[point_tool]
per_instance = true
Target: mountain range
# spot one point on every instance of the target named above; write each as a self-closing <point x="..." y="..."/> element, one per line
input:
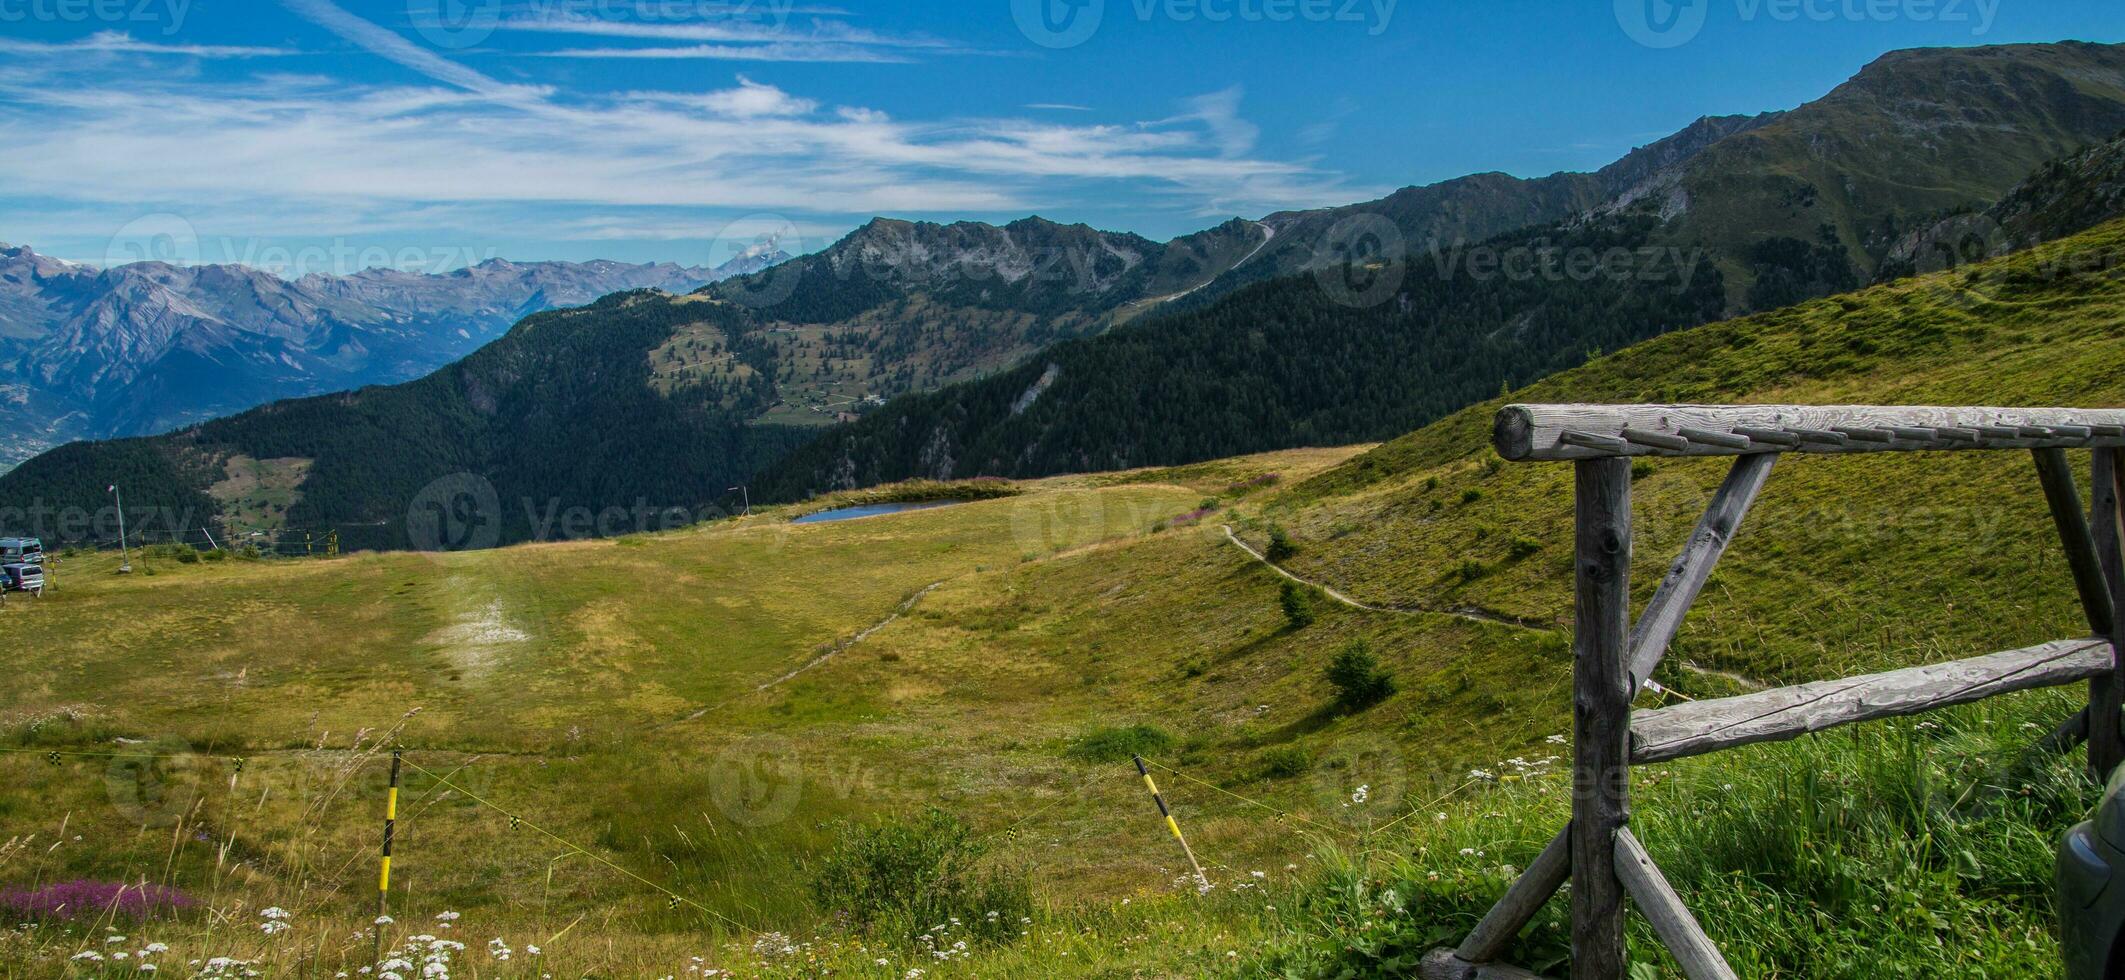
<point x="1733" y="216"/>
<point x="911" y="349"/>
<point x="147" y="347"/>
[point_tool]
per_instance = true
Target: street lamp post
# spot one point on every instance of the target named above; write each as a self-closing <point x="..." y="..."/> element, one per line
<point x="746" y="495"/>
<point x="125" y="558"/>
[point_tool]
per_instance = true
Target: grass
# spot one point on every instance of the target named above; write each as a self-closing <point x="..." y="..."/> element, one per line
<point x="696" y="713"/>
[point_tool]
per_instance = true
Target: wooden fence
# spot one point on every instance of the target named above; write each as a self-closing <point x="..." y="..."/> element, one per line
<point x="1613" y="657"/>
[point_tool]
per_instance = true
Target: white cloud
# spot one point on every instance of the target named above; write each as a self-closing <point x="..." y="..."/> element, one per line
<point x="118" y="42"/>
<point x="751" y="100"/>
<point x="767" y="30"/>
<point x="1220" y="112"/>
<point x="781" y="52"/>
<point x="290" y="153"/>
<point x="392" y="47"/>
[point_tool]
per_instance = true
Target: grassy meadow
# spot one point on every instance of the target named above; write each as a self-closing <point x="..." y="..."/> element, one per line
<point x="685" y="725"/>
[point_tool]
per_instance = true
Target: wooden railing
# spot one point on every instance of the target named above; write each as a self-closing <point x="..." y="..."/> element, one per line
<point x="1614" y="657"/>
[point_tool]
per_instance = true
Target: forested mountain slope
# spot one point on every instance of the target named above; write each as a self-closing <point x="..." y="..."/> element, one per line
<point x="1359" y="352"/>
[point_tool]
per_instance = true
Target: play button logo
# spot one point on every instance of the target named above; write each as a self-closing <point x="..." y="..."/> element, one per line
<point x="1058" y="23"/>
<point x="1662" y="24"/>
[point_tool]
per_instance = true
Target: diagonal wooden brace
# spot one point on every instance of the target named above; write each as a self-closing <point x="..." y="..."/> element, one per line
<point x="1686" y="578"/>
<point x="1517" y="908"/>
<point x="1694" y="951"/>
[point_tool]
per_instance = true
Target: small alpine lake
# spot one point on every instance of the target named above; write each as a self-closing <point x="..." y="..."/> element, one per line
<point x="871" y="510"/>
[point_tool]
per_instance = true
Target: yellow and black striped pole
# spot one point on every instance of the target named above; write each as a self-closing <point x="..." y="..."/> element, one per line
<point x="383" y="875"/>
<point x="1202" y="880"/>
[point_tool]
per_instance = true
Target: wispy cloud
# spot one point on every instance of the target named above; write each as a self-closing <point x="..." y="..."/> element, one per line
<point x="776" y="52"/>
<point x="292" y="152"/>
<point x="736" y="30"/>
<point x="1220" y="113"/>
<point x="119" y="42"/>
<point x="392" y="47"/>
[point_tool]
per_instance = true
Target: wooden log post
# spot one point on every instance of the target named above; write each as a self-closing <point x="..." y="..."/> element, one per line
<point x="1601" y="715"/>
<point x="2106" y="691"/>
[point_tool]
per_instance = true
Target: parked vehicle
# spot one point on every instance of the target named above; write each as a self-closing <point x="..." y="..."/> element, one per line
<point x="20" y="577"/>
<point x="26" y="551"/>
<point x="2091" y="892"/>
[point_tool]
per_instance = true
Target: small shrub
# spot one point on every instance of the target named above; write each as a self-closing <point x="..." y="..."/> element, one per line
<point x="1118" y="744"/>
<point x="1358" y="679"/>
<point x="1297" y="601"/>
<point x="906" y="874"/>
<point x="186" y="556"/>
<point x="1640" y="469"/>
<point x="1285" y="761"/>
<point x="1470" y="570"/>
<point x="1522" y="548"/>
<point x="1471" y="495"/>
<point x="1280" y="547"/>
<point x="216" y="554"/>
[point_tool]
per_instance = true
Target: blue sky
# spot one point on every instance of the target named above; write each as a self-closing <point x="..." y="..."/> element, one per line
<point x="327" y="135"/>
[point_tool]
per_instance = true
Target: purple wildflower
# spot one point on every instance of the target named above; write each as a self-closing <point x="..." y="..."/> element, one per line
<point x="79" y="898"/>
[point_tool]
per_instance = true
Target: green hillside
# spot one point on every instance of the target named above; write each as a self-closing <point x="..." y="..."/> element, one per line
<point x="699" y="711"/>
<point x="1915" y="134"/>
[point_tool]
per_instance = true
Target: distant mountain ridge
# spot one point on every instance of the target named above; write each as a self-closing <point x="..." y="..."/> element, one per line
<point x="1479" y="207"/>
<point x="950" y="350"/>
<point x="149" y="346"/>
<point x="1775" y="209"/>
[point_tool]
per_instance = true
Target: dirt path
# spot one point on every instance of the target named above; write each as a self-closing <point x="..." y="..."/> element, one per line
<point x="839" y="645"/>
<point x="1476" y="615"/>
<point x="1467" y="612"/>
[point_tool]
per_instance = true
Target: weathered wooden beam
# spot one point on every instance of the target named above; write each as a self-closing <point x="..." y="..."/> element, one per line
<point x="1671" y="920"/>
<point x="2056" y="474"/>
<point x="1442" y="964"/>
<point x="1571" y="432"/>
<point x="1487" y="941"/>
<point x="1601" y="715"/>
<point x="2106" y="691"/>
<point x="1699" y="727"/>
<point x="1686" y="578"/>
